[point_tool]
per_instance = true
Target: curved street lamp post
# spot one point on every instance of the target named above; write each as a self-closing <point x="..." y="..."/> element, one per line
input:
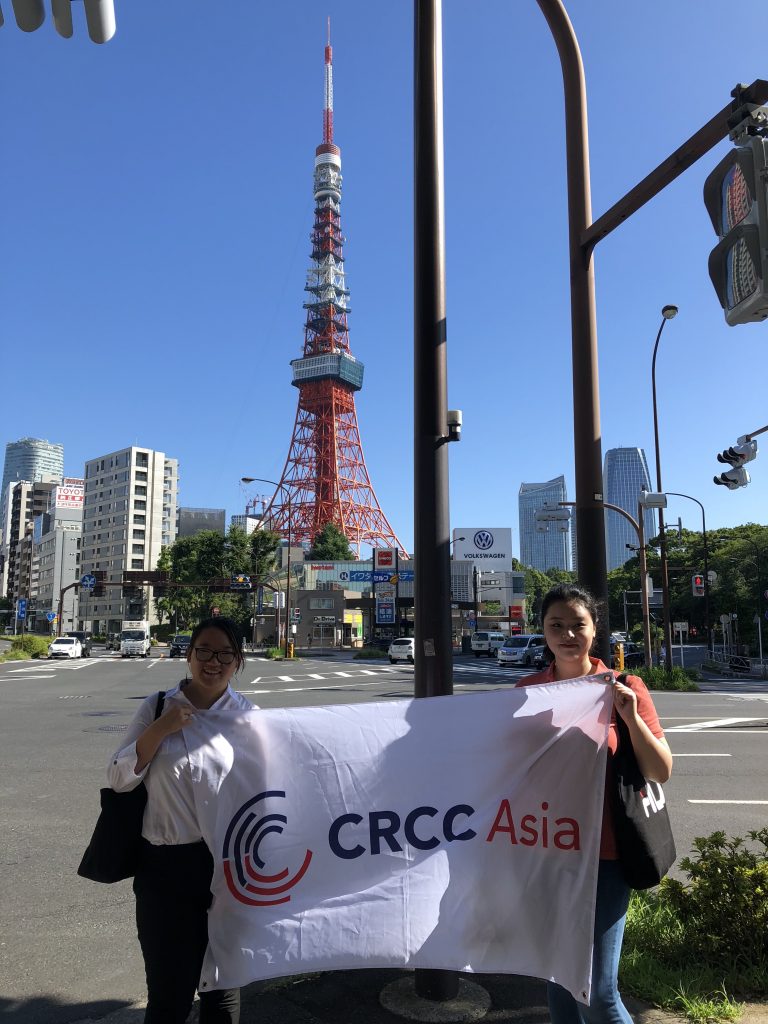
<point x="280" y="487"/>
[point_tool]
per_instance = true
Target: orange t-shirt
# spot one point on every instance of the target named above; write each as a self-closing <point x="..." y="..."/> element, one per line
<point x="647" y="712"/>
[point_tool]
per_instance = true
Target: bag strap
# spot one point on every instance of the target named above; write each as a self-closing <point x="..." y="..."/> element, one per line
<point x="160" y="703"/>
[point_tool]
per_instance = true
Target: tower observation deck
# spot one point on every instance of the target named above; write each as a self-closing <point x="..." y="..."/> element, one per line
<point x="325" y="478"/>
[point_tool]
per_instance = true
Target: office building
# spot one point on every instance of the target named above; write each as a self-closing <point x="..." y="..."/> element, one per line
<point x="246" y="522"/>
<point x="625" y="475"/>
<point x="57" y="537"/>
<point x="541" y="550"/>
<point x="30" y="458"/>
<point x="129" y="516"/>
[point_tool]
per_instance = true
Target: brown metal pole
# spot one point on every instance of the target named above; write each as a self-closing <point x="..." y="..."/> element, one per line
<point x="587" y="439"/>
<point x="432" y="578"/>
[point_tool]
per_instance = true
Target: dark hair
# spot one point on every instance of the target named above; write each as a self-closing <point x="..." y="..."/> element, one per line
<point x="571" y="594"/>
<point x="228" y="628"/>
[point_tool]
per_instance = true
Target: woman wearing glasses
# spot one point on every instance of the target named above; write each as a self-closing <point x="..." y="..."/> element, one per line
<point x="172" y="884"/>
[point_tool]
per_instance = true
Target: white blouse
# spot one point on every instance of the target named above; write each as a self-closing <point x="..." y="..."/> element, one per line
<point x="169" y="817"/>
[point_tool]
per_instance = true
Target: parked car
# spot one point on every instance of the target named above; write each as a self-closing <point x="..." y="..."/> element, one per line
<point x="486" y="642"/>
<point x="180" y="646"/>
<point x="85" y="641"/>
<point x="402" y="649"/>
<point x="520" y="649"/>
<point x="65" y="647"/>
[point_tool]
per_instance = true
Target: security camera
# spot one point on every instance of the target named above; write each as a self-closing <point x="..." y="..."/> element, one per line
<point x="454" y="424"/>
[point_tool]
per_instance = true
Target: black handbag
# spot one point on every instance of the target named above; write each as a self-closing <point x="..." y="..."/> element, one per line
<point x="113" y="852"/>
<point x="641" y="822"/>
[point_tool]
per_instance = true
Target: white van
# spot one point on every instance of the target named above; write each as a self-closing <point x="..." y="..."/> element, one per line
<point x="486" y="642"/>
<point x="521" y="649"/>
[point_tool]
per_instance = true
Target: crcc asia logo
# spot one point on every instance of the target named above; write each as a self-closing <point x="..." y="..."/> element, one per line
<point x="356" y="835"/>
<point x="243" y="863"/>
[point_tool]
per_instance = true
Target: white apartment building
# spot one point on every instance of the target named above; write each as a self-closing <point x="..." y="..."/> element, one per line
<point x="129" y="515"/>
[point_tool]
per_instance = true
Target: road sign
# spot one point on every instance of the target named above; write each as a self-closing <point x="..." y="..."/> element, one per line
<point x="88" y="581"/>
<point x="21" y="608"/>
<point x="725" y="618"/>
<point x="51" y="616"/>
<point x="680" y="627"/>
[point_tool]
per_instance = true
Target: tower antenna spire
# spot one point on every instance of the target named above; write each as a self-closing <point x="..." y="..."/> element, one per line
<point x="328" y="109"/>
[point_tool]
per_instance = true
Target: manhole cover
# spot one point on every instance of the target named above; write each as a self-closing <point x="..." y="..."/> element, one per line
<point x="112" y="728"/>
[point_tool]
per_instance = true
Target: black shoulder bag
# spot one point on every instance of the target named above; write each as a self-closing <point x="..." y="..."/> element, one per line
<point x="113" y="852"/>
<point x="643" y="832"/>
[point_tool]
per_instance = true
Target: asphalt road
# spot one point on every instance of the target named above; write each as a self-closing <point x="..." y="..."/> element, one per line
<point x="65" y="943"/>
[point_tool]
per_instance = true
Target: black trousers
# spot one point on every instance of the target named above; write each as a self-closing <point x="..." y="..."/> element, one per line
<point x="173" y="893"/>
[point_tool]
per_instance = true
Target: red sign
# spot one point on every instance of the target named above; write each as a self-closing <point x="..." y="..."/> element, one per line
<point x="516" y="611"/>
<point x="385" y="557"/>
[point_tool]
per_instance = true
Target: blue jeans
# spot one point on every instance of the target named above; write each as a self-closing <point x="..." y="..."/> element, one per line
<point x="605" y="1006"/>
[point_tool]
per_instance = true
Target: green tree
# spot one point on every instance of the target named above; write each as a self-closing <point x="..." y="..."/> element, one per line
<point x="331" y="545"/>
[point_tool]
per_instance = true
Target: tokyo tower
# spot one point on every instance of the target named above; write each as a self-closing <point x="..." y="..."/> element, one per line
<point x="325" y="479"/>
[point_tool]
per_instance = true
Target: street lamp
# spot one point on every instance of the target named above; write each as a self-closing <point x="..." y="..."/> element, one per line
<point x="279" y="487"/>
<point x="707" y="625"/>
<point x="667" y="313"/>
<point x="759" y="597"/>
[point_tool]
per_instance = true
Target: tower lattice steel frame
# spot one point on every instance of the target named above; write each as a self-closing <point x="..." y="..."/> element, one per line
<point x="325" y="479"/>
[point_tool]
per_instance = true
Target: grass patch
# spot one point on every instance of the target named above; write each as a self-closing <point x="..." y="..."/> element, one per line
<point x="657" y="678"/>
<point x="274" y="653"/>
<point x="15" y="656"/>
<point x="684" y="951"/>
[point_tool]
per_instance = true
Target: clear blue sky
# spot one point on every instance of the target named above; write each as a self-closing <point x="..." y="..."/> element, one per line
<point x="157" y="203"/>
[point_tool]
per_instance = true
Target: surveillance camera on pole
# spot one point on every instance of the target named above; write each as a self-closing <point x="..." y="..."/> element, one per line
<point x="99" y="16"/>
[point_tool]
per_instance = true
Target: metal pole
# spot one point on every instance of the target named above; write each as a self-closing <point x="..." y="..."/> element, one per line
<point x="662" y="534"/>
<point x="432" y="582"/>
<point x="707" y="626"/>
<point x="587" y="438"/>
<point x="644" y="589"/>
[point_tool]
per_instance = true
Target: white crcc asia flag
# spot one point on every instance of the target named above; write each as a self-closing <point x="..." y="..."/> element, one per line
<point x="455" y="832"/>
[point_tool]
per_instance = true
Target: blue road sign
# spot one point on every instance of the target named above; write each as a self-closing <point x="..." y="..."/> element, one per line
<point x="51" y="616"/>
<point x="21" y="608"/>
<point x="260" y="600"/>
<point x="88" y="581"/>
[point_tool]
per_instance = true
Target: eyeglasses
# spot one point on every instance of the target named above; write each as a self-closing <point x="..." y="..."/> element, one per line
<point x="223" y="657"/>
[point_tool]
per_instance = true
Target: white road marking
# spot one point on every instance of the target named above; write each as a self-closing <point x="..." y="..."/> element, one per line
<point x="286" y="679"/>
<point x="715" y="723"/>
<point x="676" y="755"/>
<point x="728" y="801"/>
<point x="315" y="675"/>
<point x="304" y="689"/>
<point x="347" y="675"/>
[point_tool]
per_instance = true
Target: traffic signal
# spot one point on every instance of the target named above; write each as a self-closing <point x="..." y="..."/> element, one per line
<point x="737" y="455"/>
<point x="697" y="585"/>
<point x="736" y="198"/>
<point x="99" y="15"/>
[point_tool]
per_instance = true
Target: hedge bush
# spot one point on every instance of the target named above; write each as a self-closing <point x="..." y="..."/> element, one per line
<point x="657" y="678"/>
<point x="34" y="646"/>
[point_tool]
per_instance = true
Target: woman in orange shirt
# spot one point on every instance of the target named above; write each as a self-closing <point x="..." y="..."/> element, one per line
<point x="570" y="619"/>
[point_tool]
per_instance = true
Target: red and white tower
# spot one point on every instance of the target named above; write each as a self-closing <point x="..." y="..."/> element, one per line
<point x="325" y="479"/>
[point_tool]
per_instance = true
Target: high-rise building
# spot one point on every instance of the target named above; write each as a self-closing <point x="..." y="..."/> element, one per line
<point x="30" y="458"/>
<point x="25" y="501"/>
<point x="625" y="475"/>
<point x="128" y="517"/>
<point x="246" y="522"/>
<point x="539" y="550"/>
<point x="57" y="537"/>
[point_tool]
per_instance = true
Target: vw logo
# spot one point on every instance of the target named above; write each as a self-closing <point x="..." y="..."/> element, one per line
<point x="483" y="540"/>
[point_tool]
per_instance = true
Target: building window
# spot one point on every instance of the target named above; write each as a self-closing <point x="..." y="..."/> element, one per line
<point x="140" y="505"/>
<point x="137" y="563"/>
<point x="138" y="534"/>
<point x="321" y="602"/>
<point x="137" y="549"/>
<point x="140" y="489"/>
<point x="141" y="475"/>
<point x="139" y="518"/>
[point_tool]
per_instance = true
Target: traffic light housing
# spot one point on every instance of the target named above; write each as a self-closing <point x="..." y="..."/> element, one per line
<point x="736" y="198"/>
<point x="736" y="456"/>
<point x="697" y="584"/>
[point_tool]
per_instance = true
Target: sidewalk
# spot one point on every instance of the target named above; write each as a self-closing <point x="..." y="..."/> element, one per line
<point x="352" y="997"/>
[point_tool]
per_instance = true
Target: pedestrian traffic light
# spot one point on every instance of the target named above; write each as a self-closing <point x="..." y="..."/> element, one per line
<point x="736" y="198"/>
<point x="697" y="584"/>
<point x="99" y="15"/>
<point x="737" y="455"/>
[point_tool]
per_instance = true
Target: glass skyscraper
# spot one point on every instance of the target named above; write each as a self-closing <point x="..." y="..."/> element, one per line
<point x="30" y="458"/>
<point x="625" y="475"/>
<point x="548" y="550"/>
